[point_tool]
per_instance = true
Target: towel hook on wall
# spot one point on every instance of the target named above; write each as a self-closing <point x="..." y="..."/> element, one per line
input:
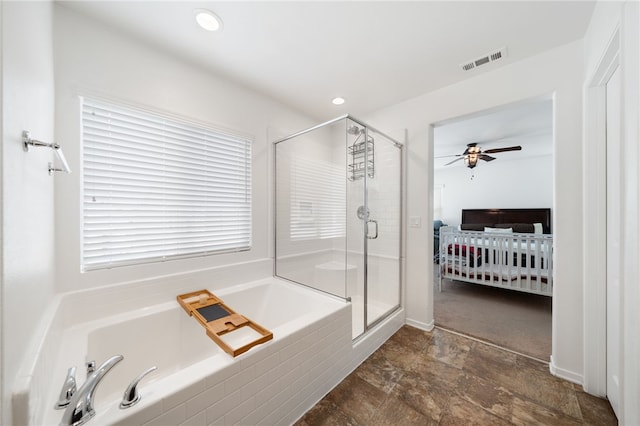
<point x="27" y="141"/>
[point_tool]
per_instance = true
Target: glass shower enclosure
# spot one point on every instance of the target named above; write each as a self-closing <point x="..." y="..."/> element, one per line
<point x="338" y="210"/>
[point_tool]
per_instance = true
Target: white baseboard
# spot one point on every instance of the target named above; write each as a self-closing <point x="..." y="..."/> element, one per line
<point x="564" y="374"/>
<point x="421" y="325"/>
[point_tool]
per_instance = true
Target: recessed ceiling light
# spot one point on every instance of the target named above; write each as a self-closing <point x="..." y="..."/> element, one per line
<point x="208" y="20"/>
<point x="337" y="101"/>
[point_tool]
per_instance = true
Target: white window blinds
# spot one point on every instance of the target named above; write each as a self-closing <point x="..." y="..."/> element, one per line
<point x="318" y="199"/>
<point x="155" y="188"/>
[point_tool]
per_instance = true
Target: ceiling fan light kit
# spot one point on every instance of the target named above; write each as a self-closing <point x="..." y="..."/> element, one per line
<point x="473" y="153"/>
<point x="472" y="156"/>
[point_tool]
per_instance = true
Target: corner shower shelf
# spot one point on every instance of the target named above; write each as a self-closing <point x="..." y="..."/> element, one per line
<point x="357" y="165"/>
<point x="219" y="320"/>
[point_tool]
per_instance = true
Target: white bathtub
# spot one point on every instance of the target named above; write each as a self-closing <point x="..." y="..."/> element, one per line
<point x="198" y="383"/>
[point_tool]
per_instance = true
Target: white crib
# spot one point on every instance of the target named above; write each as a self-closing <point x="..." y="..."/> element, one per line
<point x="515" y="261"/>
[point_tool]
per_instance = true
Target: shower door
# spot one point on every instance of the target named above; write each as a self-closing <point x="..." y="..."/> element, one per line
<point x="382" y="229"/>
<point x="374" y="224"/>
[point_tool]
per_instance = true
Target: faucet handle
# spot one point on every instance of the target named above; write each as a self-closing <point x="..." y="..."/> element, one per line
<point x="131" y="396"/>
<point x="68" y="389"/>
<point x="80" y="408"/>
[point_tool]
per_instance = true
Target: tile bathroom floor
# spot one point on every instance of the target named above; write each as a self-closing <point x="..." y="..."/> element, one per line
<point x="442" y="378"/>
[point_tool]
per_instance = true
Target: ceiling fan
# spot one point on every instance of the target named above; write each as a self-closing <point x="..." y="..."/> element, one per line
<point x="473" y="153"/>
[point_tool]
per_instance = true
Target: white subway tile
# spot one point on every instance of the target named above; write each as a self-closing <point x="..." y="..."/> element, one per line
<point x="270" y="419"/>
<point x="182" y="395"/>
<point x="239" y="379"/>
<point x="267" y="393"/>
<point x="266" y="364"/>
<point x="205" y="399"/>
<point x="217" y="422"/>
<point x="231" y="367"/>
<point x="252" y="418"/>
<point x="215" y="413"/>
<point x="240" y="411"/>
<point x="172" y="417"/>
<point x="138" y="415"/>
<point x="276" y="402"/>
<point x="223" y="406"/>
<point x="199" y="419"/>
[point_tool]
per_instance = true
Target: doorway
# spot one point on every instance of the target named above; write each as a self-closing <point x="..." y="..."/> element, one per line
<point x="604" y="214"/>
<point x="510" y="179"/>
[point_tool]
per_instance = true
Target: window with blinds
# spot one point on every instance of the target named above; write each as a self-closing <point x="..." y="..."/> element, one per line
<point x="318" y="200"/>
<point x="155" y="188"/>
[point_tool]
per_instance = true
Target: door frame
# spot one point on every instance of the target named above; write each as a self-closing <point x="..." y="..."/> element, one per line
<point x="595" y="219"/>
<point x="623" y="47"/>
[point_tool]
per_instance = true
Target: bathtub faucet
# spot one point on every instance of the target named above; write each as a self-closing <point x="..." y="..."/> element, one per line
<point x="68" y="389"/>
<point x="80" y="408"/>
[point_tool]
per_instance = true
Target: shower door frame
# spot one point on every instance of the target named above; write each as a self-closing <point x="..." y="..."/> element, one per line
<point x="400" y="147"/>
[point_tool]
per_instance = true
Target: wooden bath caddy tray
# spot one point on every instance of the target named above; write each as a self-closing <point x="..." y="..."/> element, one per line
<point x="218" y="319"/>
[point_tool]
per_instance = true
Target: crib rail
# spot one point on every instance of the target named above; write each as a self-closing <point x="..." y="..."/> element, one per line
<point x="522" y="262"/>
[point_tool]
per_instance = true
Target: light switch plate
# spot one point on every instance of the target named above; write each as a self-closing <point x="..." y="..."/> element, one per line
<point x="415" y="221"/>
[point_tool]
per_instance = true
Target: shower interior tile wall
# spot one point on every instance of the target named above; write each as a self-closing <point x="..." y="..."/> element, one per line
<point x="386" y="211"/>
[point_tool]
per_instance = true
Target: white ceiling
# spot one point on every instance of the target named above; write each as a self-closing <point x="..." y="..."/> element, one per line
<point x="528" y="124"/>
<point x="374" y="54"/>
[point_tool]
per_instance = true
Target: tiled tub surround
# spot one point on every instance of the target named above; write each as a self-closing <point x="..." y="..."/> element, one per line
<point x="191" y="363"/>
<point x="196" y="382"/>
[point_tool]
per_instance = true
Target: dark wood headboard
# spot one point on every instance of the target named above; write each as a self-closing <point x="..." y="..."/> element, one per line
<point x="494" y="216"/>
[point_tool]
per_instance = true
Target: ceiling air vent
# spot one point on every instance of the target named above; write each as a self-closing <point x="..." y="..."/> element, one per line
<point x="490" y="57"/>
<point x="469" y="66"/>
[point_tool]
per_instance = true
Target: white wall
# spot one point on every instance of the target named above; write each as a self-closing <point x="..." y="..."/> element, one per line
<point x="41" y="213"/>
<point x="520" y="183"/>
<point x="95" y="60"/>
<point x="27" y="189"/>
<point x="557" y="72"/>
<point x="2" y="399"/>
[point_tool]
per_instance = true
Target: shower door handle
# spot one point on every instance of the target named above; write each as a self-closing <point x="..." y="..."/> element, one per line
<point x="376" y="234"/>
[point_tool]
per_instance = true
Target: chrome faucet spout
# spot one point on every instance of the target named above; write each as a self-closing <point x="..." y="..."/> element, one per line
<point x="80" y="408"/>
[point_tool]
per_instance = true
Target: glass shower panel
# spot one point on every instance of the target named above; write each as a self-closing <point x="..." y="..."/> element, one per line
<point x="310" y="204"/>
<point x="356" y="220"/>
<point x="338" y="215"/>
<point x="382" y="232"/>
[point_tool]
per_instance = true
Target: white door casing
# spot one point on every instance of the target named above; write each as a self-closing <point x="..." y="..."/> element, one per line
<point x="614" y="236"/>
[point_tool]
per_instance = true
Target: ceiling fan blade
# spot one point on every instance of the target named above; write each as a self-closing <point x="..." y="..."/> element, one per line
<point x="496" y="150"/>
<point x="486" y="157"/>
<point x="447" y="156"/>
<point x="451" y="162"/>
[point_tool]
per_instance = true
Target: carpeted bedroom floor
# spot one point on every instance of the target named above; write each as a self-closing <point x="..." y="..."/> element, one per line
<point x="517" y="321"/>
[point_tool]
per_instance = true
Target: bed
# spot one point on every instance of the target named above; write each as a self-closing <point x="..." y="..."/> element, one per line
<point x="506" y="248"/>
